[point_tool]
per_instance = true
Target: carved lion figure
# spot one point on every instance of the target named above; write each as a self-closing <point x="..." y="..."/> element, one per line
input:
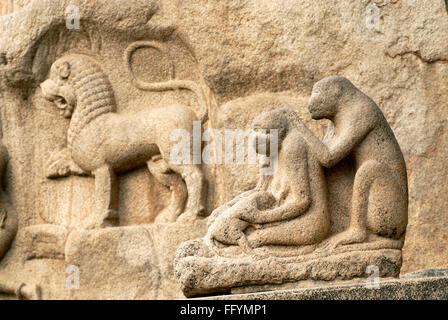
<point x="103" y="143"/>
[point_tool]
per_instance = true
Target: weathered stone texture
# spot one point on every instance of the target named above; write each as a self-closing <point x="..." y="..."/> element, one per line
<point x="247" y="57"/>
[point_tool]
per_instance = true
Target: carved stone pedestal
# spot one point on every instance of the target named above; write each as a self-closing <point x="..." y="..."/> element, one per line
<point x="128" y="128"/>
<point x="202" y="272"/>
<point x="134" y="262"/>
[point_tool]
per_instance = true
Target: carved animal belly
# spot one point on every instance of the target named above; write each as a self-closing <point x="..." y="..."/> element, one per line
<point x="117" y="144"/>
<point x="131" y="156"/>
<point x="128" y="141"/>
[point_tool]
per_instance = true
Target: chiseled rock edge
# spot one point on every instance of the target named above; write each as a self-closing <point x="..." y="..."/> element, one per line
<point x="409" y="287"/>
<point x="212" y="275"/>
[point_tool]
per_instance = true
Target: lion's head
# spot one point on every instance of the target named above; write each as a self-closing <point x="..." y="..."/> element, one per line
<point x="59" y="89"/>
<point x="81" y="90"/>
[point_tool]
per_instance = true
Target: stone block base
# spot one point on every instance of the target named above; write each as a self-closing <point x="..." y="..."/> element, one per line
<point x="429" y="284"/>
<point x="201" y="272"/>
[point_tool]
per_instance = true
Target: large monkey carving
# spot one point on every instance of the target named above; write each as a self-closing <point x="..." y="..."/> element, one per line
<point x="380" y="193"/>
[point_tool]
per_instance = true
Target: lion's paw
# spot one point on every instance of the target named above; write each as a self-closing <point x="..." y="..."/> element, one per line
<point x="58" y="168"/>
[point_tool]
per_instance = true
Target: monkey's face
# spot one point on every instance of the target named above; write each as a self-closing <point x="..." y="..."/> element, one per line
<point x="322" y="104"/>
<point x="267" y="132"/>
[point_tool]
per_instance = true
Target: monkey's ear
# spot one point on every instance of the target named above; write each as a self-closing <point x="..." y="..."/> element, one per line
<point x="64" y="70"/>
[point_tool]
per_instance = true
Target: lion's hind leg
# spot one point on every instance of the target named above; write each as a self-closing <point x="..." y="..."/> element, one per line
<point x="161" y="171"/>
<point x="196" y="187"/>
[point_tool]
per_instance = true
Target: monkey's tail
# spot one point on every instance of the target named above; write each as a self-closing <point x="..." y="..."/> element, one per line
<point x="8" y="230"/>
<point x="172" y="84"/>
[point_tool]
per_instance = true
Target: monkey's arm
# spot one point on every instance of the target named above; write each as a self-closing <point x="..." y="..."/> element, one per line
<point x="226" y="206"/>
<point x="289" y="210"/>
<point x="341" y="146"/>
<point x="300" y="191"/>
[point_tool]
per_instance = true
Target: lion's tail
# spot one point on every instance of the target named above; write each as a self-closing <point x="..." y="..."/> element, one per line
<point x="173" y="84"/>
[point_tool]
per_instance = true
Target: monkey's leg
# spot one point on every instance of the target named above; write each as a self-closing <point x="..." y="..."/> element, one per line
<point x="372" y="180"/>
<point x="106" y="198"/>
<point x="160" y="170"/>
<point x="196" y="187"/>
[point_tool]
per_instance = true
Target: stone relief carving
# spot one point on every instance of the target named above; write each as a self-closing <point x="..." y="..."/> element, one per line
<point x="282" y="227"/>
<point x="57" y="227"/>
<point x="333" y="207"/>
<point x="172" y="84"/>
<point x="8" y="231"/>
<point x="380" y="192"/>
<point x="8" y="220"/>
<point x="102" y="143"/>
<point x="299" y="202"/>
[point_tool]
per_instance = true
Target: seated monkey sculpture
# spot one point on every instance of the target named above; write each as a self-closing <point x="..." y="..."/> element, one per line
<point x="104" y="143"/>
<point x="380" y="195"/>
<point x="298" y="189"/>
<point x="288" y="207"/>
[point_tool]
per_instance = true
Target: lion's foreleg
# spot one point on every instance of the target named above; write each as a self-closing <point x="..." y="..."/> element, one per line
<point x="61" y="164"/>
<point x="196" y="187"/>
<point x="106" y="198"/>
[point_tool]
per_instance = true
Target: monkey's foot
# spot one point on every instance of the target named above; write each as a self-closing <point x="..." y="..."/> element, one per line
<point x="351" y="236"/>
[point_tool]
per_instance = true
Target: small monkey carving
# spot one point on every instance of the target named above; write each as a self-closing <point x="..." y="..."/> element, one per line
<point x="286" y="208"/>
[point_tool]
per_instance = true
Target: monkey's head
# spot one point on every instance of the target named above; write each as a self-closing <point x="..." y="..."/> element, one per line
<point x="264" y="124"/>
<point x="326" y="96"/>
